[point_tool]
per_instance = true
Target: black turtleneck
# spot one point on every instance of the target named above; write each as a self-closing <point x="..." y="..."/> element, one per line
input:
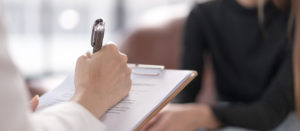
<point x="251" y="61"/>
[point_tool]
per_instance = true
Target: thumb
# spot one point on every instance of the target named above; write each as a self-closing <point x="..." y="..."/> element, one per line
<point x="34" y="102"/>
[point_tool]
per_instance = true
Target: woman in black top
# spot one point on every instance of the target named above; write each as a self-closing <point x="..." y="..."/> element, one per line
<point x="252" y="64"/>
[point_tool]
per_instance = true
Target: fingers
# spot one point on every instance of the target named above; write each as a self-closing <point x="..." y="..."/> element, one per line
<point x="34" y="102"/>
<point x="82" y="58"/>
<point x="88" y="54"/>
<point x="124" y="57"/>
<point x="160" y="124"/>
<point x="110" y="48"/>
<point x="152" y="122"/>
<point x="121" y="57"/>
<point x="111" y="43"/>
<point x="114" y="58"/>
<point x="113" y="50"/>
<point x="127" y="71"/>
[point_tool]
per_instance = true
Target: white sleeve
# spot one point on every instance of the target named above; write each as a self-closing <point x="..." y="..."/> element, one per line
<point x="68" y="116"/>
<point x="15" y="114"/>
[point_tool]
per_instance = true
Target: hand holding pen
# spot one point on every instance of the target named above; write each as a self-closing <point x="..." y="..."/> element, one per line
<point x="101" y="79"/>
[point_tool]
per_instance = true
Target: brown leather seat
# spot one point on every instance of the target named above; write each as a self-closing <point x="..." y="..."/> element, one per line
<point x="155" y="45"/>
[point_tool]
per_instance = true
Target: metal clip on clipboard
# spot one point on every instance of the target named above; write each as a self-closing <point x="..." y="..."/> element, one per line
<point x="146" y="70"/>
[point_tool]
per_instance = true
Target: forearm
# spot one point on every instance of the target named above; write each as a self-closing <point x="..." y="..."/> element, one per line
<point x="247" y="116"/>
<point x="200" y="116"/>
<point x="208" y="119"/>
<point x="269" y="110"/>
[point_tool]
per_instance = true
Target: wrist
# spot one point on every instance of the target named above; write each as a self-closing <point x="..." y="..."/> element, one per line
<point x="95" y="108"/>
<point x="208" y="119"/>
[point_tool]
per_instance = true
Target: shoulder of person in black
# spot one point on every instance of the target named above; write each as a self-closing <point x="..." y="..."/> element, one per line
<point x="252" y="62"/>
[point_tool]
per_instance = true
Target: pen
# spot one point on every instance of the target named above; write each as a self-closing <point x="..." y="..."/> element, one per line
<point x="97" y="35"/>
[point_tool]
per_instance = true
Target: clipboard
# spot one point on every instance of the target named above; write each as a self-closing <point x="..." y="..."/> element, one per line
<point x="160" y="86"/>
<point x="168" y="100"/>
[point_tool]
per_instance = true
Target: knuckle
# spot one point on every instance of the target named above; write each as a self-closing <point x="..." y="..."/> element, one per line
<point x="107" y="48"/>
<point x="112" y="47"/>
<point x="81" y="58"/>
<point x="124" y="58"/>
<point x="129" y="71"/>
<point x="111" y="42"/>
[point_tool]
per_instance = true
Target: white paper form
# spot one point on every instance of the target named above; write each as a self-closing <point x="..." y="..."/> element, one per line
<point x="146" y="94"/>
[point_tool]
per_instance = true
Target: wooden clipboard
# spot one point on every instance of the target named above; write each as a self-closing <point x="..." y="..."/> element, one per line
<point x="171" y="97"/>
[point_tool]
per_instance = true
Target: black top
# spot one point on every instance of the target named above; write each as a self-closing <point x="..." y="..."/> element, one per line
<point x="252" y="63"/>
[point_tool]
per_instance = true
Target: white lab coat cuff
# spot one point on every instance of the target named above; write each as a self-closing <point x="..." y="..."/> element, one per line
<point x="68" y="116"/>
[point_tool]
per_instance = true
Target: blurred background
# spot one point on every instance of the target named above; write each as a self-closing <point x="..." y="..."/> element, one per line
<point x="46" y="36"/>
